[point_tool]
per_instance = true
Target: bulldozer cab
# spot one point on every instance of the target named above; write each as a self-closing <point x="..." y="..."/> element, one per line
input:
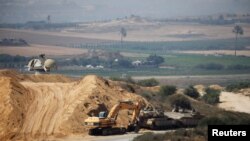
<point x="103" y="114"/>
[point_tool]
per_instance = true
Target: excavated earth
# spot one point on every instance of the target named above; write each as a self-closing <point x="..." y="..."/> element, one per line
<point x="38" y="106"/>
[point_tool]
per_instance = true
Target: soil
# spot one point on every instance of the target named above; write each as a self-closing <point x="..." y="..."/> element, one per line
<point x="38" y="106"/>
<point x="235" y="102"/>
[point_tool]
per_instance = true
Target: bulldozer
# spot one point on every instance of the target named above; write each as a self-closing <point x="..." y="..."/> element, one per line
<point x="105" y="123"/>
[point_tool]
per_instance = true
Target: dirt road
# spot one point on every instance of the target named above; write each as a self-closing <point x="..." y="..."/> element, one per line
<point x="125" y="137"/>
<point x="184" y="81"/>
<point x="235" y="102"/>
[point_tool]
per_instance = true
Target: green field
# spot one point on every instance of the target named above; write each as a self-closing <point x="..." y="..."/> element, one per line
<point x="182" y="64"/>
<point x="191" y="60"/>
<point x="175" y="63"/>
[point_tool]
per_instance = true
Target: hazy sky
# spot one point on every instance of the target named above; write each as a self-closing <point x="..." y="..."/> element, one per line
<point x="90" y="10"/>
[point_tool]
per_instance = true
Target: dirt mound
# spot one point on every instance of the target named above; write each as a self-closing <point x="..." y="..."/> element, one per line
<point x="34" y="78"/>
<point x="40" y="109"/>
<point x="200" y="89"/>
<point x="14" y="102"/>
<point x="47" y="78"/>
<point x="12" y="74"/>
<point x="216" y="87"/>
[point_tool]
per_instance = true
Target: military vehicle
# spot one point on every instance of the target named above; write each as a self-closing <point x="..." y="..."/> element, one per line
<point x="41" y="64"/>
<point x="158" y="119"/>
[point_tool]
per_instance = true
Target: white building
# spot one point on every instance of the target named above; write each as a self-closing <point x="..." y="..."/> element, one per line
<point x="136" y="63"/>
<point x="89" y="66"/>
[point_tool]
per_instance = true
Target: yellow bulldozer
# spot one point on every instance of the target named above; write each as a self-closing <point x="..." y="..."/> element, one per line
<point x="105" y="123"/>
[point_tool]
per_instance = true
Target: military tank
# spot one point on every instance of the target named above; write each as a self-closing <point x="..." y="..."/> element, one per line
<point x="156" y="119"/>
<point x="185" y="118"/>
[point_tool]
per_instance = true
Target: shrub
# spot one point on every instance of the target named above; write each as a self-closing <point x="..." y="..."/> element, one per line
<point x="226" y="118"/>
<point x="113" y="78"/>
<point x="202" y="131"/>
<point x="212" y="91"/>
<point x="148" y="82"/>
<point x="149" y="137"/>
<point x="167" y="90"/>
<point x="180" y="101"/>
<point x="123" y="63"/>
<point x="212" y="96"/>
<point x="127" y="79"/>
<point x="238" y="67"/>
<point x="181" y="132"/>
<point x="238" y="86"/>
<point x="155" y="60"/>
<point x="211" y="121"/>
<point x="192" y="92"/>
<point x="5" y="58"/>
<point x="177" y="135"/>
<point x="128" y="87"/>
<point x="147" y="94"/>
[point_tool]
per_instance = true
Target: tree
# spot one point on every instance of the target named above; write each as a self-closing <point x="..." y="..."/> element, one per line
<point x="192" y="92"/>
<point x="212" y="96"/>
<point x="238" y="30"/>
<point x="48" y="19"/>
<point x="148" y="82"/>
<point x="125" y="63"/>
<point x="123" y="33"/>
<point x="221" y="17"/>
<point x="155" y="60"/>
<point x="167" y="90"/>
<point x="180" y="101"/>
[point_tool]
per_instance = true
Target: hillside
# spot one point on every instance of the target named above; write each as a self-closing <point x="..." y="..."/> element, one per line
<point x="17" y="77"/>
<point x="37" y="109"/>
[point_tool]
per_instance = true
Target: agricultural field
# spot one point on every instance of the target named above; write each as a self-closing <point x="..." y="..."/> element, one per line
<point x="180" y="64"/>
<point x="45" y="37"/>
<point x="145" y="30"/>
<point x="168" y="47"/>
<point x="34" y="50"/>
<point x="143" y="36"/>
<point x="189" y="56"/>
